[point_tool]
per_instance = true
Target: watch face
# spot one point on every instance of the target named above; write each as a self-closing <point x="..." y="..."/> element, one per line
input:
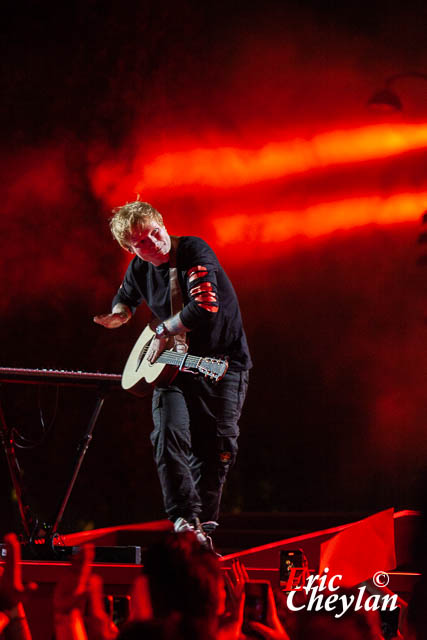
<point x="160" y="329"/>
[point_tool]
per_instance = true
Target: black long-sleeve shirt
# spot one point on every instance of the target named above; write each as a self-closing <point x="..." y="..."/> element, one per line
<point x="211" y="309"/>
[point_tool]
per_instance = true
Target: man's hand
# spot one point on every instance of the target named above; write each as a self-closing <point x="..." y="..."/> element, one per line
<point x="157" y="346"/>
<point x="111" y="320"/>
<point x="119" y="315"/>
<point x="173" y="327"/>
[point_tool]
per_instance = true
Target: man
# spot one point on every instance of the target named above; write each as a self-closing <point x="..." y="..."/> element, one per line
<point x="195" y="421"/>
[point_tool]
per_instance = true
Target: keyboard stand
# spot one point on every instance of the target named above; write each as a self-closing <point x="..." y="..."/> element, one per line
<point x="28" y="522"/>
<point x="32" y="528"/>
<point x="82" y="448"/>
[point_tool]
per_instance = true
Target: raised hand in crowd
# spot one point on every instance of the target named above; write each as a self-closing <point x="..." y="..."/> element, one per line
<point x="231" y="623"/>
<point x="70" y="595"/>
<point x="78" y="602"/>
<point x="13" y="621"/>
<point x="273" y="628"/>
<point x="140" y="602"/>
<point x="76" y="591"/>
<point x="98" y="623"/>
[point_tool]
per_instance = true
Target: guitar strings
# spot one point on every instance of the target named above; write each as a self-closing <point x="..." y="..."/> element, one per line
<point x="174" y="358"/>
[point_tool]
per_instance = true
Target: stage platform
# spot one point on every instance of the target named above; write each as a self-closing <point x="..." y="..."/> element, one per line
<point x="260" y="559"/>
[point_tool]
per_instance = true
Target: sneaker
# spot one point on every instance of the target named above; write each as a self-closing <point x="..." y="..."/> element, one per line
<point x="182" y="525"/>
<point x="209" y="527"/>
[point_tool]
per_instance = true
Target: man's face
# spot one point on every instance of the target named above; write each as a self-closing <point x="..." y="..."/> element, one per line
<point x="151" y="243"/>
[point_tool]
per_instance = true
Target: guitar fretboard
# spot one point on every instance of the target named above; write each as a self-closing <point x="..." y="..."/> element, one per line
<point x="171" y="357"/>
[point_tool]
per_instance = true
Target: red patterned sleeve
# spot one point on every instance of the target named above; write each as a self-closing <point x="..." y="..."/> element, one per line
<point x="202" y="291"/>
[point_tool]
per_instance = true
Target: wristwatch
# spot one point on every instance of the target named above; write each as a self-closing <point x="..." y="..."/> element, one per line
<point x="161" y="331"/>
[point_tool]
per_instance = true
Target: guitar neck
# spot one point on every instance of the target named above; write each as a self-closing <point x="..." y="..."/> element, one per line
<point x="177" y="359"/>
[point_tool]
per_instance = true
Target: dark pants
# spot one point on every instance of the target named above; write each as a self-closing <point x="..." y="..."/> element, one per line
<point x="195" y="441"/>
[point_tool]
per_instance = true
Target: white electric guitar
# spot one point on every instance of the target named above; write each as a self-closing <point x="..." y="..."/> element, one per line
<point x="139" y="375"/>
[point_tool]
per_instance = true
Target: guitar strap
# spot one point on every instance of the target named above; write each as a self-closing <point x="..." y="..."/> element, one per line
<point x="176" y="294"/>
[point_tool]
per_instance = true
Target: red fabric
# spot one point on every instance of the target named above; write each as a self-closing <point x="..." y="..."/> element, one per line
<point x="206" y="297"/>
<point x="362" y="549"/>
<point x="196" y="272"/>
<point x="205" y="286"/>
<point x="208" y="307"/>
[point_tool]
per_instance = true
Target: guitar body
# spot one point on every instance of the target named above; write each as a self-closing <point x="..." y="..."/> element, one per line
<point x="139" y="375"/>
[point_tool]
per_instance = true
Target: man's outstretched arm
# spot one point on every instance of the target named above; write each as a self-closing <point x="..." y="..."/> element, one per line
<point x="119" y="315"/>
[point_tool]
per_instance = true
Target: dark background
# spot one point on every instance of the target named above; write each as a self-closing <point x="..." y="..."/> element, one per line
<point x="96" y="93"/>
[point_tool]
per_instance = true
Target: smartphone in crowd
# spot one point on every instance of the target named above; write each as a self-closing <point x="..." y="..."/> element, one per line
<point x="256" y="601"/>
<point x="293" y="569"/>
